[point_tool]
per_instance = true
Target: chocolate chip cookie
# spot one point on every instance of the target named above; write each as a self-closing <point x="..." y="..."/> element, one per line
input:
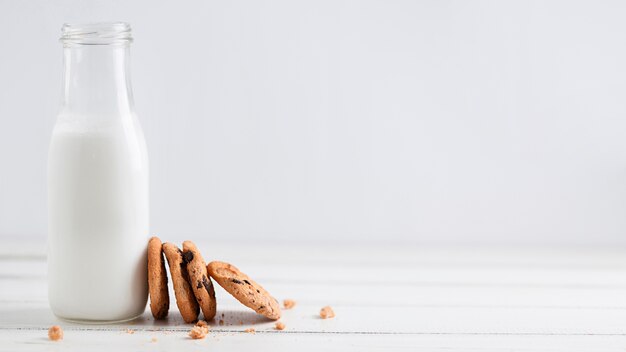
<point x="244" y="289"/>
<point x="185" y="299"/>
<point x="157" y="280"/>
<point x="199" y="279"/>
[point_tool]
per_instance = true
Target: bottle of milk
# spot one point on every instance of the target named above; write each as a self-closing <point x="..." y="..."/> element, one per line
<point x="97" y="183"/>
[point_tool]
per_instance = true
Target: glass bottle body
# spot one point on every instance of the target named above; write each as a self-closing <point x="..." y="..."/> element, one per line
<point x="97" y="185"/>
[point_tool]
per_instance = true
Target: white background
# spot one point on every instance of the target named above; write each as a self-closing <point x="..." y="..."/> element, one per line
<point x="420" y="121"/>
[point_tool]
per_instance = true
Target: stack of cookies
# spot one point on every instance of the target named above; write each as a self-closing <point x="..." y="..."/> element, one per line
<point x="193" y="286"/>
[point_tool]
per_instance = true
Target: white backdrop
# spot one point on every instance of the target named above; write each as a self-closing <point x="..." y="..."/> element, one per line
<point x="432" y="121"/>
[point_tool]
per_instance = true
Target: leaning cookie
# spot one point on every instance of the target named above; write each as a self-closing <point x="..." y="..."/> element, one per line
<point x="157" y="280"/>
<point x="199" y="280"/>
<point x="244" y="289"/>
<point x="185" y="300"/>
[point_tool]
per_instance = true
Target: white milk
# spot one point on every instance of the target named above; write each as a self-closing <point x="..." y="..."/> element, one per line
<point x="98" y="218"/>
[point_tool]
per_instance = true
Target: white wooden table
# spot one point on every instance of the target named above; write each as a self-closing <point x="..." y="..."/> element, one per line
<point x="385" y="297"/>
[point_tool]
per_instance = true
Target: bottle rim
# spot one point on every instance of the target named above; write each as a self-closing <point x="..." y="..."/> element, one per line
<point x="100" y="33"/>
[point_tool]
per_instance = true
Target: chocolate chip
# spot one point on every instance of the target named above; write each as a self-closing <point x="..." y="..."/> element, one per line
<point x="236" y="281"/>
<point x="257" y="291"/>
<point x="199" y="284"/>
<point x="208" y="286"/>
<point x="248" y="282"/>
<point x="188" y="256"/>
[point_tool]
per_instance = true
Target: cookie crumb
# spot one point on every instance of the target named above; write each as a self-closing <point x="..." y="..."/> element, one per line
<point x="130" y="331"/>
<point x="250" y="331"/>
<point x="55" y="333"/>
<point x="279" y="326"/>
<point x="289" y="303"/>
<point x="221" y="321"/>
<point x="327" y="313"/>
<point x="198" y="332"/>
<point x="154" y="339"/>
<point x="222" y="315"/>
<point x="203" y="326"/>
<point x="240" y="322"/>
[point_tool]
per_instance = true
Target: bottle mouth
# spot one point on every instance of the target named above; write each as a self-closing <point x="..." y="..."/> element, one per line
<point x="103" y="33"/>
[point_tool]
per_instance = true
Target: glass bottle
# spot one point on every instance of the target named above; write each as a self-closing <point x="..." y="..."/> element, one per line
<point x="97" y="182"/>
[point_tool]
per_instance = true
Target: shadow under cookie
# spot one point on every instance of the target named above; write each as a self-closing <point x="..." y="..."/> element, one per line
<point x="238" y="318"/>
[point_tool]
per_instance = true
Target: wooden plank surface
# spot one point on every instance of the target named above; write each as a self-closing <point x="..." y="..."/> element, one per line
<point x="385" y="297"/>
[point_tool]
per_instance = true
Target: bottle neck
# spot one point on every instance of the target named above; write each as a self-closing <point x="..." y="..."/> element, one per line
<point x="97" y="81"/>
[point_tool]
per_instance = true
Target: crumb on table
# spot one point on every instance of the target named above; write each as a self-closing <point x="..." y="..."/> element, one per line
<point x="279" y="326"/>
<point x="289" y="303"/>
<point x="198" y="332"/>
<point x="55" y="333"/>
<point x="327" y="313"/>
<point x="250" y="331"/>
<point x="130" y="331"/>
<point x="202" y="323"/>
<point x="153" y="339"/>
<point x="221" y="321"/>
